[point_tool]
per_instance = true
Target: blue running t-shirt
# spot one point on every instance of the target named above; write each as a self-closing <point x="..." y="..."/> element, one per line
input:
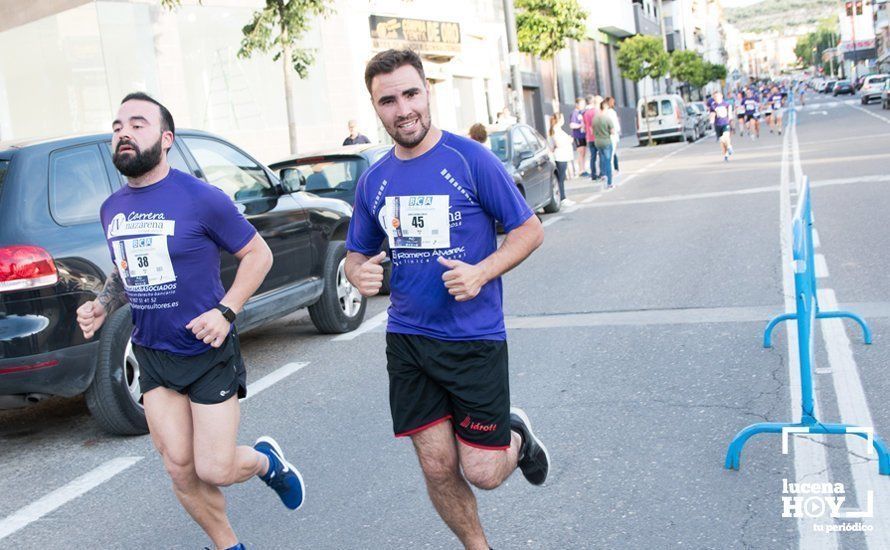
<point x="478" y="192"/>
<point x="722" y="111"/>
<point x="165" y="240"/>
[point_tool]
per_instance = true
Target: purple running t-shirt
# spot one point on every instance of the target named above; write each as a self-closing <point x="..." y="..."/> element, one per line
<point x="452" y="195"/>
<point x="165" y="240"/>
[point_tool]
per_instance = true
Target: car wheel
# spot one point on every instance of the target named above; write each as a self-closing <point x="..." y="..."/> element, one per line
<point x="553" y="206"/>
<point x="341" y="307"/>
<point x="114" y="397"/>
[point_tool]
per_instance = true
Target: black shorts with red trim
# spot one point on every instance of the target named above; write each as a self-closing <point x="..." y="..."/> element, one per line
<point x="431" y="381"/>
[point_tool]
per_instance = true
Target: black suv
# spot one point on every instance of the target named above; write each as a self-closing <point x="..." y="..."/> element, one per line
<point x="53" y="258"/>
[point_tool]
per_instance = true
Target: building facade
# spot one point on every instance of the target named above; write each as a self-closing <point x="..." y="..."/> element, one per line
<point x="77" y="59"/>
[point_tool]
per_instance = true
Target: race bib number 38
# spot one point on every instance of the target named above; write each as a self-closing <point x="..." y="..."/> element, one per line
<point x="418" y="221"/>
<point x="144" y="261"/>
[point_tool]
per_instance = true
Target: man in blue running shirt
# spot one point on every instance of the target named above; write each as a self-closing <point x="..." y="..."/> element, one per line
<point x="165" y="229"/>
<point x="437" y="197"/>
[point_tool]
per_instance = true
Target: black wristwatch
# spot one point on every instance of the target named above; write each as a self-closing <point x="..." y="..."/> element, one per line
<point x="227" y="313"/>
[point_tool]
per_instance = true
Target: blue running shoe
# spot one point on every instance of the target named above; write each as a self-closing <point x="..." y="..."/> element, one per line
<point x="282" y="476"/>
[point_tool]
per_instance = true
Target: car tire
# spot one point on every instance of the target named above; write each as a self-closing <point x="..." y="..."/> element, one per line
<point x="555" y="203"/>
<point x="113" y="397"/>
<point x="341" y="308"/>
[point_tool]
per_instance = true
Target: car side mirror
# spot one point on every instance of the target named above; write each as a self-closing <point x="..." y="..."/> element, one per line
<point x="523" y="156"/>
<point x="292" y="180"/>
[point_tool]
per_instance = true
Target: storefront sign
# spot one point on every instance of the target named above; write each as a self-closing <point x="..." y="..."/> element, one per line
<point x="422" y="36"/>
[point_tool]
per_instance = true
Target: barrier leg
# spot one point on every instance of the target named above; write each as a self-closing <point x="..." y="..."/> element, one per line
<point x="733" y="455"/>
<point x="866" y="333"/>
<point x="768" y="333"/>
<point x="877" y="442"/>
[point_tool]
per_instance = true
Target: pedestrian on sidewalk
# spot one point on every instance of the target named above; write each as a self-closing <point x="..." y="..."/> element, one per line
<point x="590" y="114"/>
<point x="561" y="146"/>
<point x="603" y="128"/>
<point x="720" y="113"/>
<point x="616" y="135"/>
<point x="354" y="136"/>
<point x="165" y="229"/>
<point x="479" y="133"/>
<point x="436" y="196"/>
<point x="576" y="124"/>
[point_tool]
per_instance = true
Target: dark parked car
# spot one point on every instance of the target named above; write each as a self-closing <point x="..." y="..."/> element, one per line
<point x="843" y="87"/>
<point x="333" y="173"/>
<point x="702" y="118"/>
<point x="829" y="87"/>
<point x="525" y="155"/>
<point x="53" y="258"/>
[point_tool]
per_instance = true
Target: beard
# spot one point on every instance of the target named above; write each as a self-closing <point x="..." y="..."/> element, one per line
<point x="140" y="162"/>
<point x="409" y="141"/>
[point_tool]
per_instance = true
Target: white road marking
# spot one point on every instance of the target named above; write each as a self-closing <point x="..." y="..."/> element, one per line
<point x="821" y="266"/>
<point x="367" y="326"/>
<point x="272" y="378"/>
<point x="816" y="241"/>
<point x="869" y="113"/>
<point x="90" y="480"/>
<point x="590" y="199"/>
<point x="693" y="196"/>
<point x="550" y="221"/>
<point x="853" y="407"/>
<point x="810" y="462"/>
<point x="879" y="178"/>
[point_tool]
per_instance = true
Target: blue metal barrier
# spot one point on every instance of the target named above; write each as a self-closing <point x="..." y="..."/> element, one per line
<point x="807" y="311"/>
<point x="805" y="215"/>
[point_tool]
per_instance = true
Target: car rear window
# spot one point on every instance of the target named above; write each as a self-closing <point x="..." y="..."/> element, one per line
<point x="332" y="174"/>
<point x="877" y="79"/>
<point x="498" y="143"/>
<point x="666" y="107"/>
<point x="78" y="183"/>
<point x="651" y="109"/>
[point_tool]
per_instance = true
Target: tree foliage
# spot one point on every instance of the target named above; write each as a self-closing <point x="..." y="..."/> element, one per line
<point x="279" y="27"/>
<point x="809" y="47"/>
<point x="173" y="4"/>
<point x="641" y="56"/>
<point x="715" y="71"/>
<point x="687" y="66"/>
<point x="544" y="26"/>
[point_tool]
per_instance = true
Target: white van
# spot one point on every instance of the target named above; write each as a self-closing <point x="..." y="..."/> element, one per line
<point x="664" y="117"/>
<point x="872" y="87"/>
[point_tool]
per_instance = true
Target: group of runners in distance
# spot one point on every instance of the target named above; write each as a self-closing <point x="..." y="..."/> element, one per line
<point x="749" y="104"/>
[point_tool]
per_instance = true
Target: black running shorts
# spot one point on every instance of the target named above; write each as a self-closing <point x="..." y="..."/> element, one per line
<point x="719" y="129"/>
<point x="580" y="142"/>
<point x="431" y="381"/>
<point x="750" y="116"/>
<point x="207" y="378"/>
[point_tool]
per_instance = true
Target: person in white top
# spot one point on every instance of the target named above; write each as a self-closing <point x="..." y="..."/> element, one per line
<point x="616" y="134"/>
<point x="561" y="144"/>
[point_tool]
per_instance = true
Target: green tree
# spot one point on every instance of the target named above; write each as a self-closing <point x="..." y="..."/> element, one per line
<point x="278" y="28"/>
<point x="642" y="56"/>
<point x="544" y="26"/>
<point x="715" y="72"/>
<point x="687" y="66"/>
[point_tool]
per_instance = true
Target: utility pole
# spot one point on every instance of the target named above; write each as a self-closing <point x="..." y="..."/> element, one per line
<point x="664" y="39"/>
<point x="513" y="61"/>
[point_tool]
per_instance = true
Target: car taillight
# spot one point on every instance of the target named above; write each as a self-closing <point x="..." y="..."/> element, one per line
<point x="26" y="267"/>
<point x="677" y="114"/>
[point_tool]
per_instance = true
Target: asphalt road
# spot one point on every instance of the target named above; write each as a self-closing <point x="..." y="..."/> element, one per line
<point x="635" y="347"/>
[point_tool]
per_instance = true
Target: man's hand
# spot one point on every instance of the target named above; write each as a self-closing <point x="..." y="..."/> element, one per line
<point x="90" y="317"/>
<point x="210" y="327"/>
<point x="463" y="280"/>
<point x="369" y="277"/>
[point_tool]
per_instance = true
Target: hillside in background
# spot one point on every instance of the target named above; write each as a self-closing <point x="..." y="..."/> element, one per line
<point x="769" y="15"/>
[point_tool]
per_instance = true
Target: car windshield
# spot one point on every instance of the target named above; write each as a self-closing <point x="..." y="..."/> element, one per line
<point x="877" y="79"/>
<point x="497" y="141"/>
<point x="843" y="83"/>
<point x="331" y="174"/>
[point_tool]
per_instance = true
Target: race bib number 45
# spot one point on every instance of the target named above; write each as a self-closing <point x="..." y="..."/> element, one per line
<point x="144" y="261"/>
<point x="418" y="221"/>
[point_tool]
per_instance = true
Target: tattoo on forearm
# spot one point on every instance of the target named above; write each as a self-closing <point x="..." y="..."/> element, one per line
<point x="112" y="295"/>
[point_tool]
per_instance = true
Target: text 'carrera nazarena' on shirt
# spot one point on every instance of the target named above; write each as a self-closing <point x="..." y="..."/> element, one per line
<point x="165" y="241"/>
<point x="444" y="203"/>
